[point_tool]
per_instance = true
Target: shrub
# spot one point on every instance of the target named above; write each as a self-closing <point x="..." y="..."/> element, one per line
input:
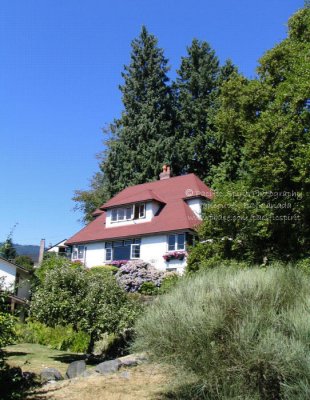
<point x="92" y="304"/>
<point x="103" y="269"/>
<point x="169" y="281"/>
<point x="236" y="334"/>
<point x="59" y="337"/>
<point x="132" y="275"/>
<point x="148" y="288"/>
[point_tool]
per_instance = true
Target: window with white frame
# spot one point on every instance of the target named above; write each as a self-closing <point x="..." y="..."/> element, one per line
<point x="139" y="211"/>
<point x="176" y="242"/>
<point x="122" y="249"/>
<point x="135" y="251"/>
<point x="121" y="214"/>
<point x="136" y="211"/>
<point x="78" y="252"/>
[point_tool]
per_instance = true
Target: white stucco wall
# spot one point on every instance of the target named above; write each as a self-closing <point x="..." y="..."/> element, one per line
<point x="152" y="250"/>
<point x="151" y="208"/>
<point x="8" y="272"/>
<point x="55" y="249"/>
<point x="195" y="205"/>
<point x="94" y="254"/>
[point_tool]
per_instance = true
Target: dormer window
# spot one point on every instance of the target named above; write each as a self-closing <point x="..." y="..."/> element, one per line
<point x="136" y="211"/>
<point x="139" y="211"/>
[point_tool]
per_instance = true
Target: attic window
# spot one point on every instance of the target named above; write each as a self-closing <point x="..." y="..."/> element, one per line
<point x="139" y="211"/>
<point x="121" y="214"/>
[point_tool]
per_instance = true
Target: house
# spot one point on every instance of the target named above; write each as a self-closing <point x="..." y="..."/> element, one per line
<point x="154" y="221"/>
<point x="60" y="248"/>
<point x="15" y="280"/>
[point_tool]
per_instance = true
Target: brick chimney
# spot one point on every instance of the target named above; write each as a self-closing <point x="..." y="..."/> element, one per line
<point x="166" y="174"/>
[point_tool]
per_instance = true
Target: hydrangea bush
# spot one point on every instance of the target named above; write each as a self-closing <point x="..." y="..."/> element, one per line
<point x="133" y="274"/>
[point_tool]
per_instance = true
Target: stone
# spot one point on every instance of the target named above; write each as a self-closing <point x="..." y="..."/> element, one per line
<point x="76" y="368"/>
<point x="89" y="372"/>
<point x="108" y="367"/>
<point x="125" y="375"/>
<point x="50" y="374"/>
<point x="132" y="360"/>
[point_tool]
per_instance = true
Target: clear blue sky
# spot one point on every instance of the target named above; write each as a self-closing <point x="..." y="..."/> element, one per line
<point x="61" y="63"/>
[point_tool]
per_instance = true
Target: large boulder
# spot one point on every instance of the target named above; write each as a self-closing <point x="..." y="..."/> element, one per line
<point x="108" y="367"/>
<point x="76" y="368"/>
<point x="50" y="374"/>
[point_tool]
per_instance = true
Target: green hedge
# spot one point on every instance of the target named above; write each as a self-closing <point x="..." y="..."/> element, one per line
<point x="59" y="337"/>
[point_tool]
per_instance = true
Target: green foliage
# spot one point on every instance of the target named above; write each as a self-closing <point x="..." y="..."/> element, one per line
<point x="87" y="201"/>
<point x="262" y="201"/>
<point x="7" y="250"/>
<point x="142" y="138"/>
<point x="92" y="303"/>
<point x="58" y="338"/>
<point x="169" y="282"/>
<point x="53" y="262"/>
<point x="7" y="329"/>
<point x="103" y="269"/>
<point x="25" y="262"/>
<point x="230" y="333"/>
<point x="148" y="288"/>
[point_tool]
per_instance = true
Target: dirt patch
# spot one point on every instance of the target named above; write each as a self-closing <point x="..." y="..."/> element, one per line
<point x="141" y="382"/>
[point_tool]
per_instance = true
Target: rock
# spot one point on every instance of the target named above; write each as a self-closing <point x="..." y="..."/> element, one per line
<point x="50" y="374"/>
<point x="125" y="375"/>
<point x="108" y="367"/>
<point x="76" y="368"/>
<point x="89" y="372"/>
<point x="132" y="360"/>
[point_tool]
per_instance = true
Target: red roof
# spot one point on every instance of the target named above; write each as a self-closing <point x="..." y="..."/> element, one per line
<point x="175" y="213"/>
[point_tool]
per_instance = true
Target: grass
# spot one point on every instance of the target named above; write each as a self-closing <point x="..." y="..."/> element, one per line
<point x="142" y="382"/>
<point x="34" y="357"/>
<point x="234" y="333"/>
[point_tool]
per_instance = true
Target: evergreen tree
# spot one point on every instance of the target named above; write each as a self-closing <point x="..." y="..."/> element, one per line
<point x="142" y="137"/>
<point x="195" y="87"/>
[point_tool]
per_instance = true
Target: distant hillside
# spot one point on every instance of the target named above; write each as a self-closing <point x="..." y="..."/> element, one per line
<point x="27" y="250"/>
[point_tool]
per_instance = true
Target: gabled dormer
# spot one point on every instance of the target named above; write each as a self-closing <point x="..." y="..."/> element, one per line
<point x="138" y="208"/>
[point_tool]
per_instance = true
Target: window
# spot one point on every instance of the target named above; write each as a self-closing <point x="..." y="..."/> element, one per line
<point x="114" y="214"/>
<point x="135" y="251"/>
<point x="121" y="214"/>
<point x="78" y="253"/>
<point x="109" y="254"/>
<point x="139" y="211"/>
<point x="128" y="212"/>
<point x="176" y="242"/>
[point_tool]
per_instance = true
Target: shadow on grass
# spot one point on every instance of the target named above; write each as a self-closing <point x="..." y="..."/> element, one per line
<point x="69" y="357"/>
<point x="40" y="394"/>
<point x="15" y="353"/>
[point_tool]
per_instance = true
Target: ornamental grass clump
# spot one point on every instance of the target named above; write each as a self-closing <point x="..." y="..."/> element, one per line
<point x="234" y="334"/>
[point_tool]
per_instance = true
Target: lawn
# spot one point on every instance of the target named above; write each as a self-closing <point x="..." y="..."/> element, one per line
<point x="146" y="381"/>
<point x="34" y="357"/>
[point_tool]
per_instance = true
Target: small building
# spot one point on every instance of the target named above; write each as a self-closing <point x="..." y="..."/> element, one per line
<point x="61" y="249"/>
<point x="154" y="222"/>
<point x="15" y="281"/>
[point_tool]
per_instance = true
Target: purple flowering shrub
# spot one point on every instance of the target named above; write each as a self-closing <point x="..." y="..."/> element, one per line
<point x="118" y="263"/>
<point x="133" y="274"/>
